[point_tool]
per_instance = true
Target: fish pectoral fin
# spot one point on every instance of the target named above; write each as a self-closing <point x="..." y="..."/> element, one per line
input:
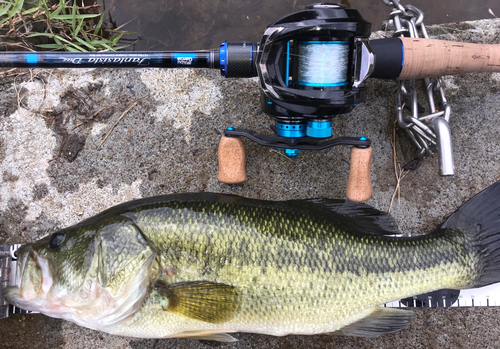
<point x="201" y="300"/>
<point x="206" y="336"/>
<point x="379" y="322"/>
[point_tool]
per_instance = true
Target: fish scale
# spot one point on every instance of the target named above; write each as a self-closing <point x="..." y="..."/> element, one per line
<point x="266" y="259"/>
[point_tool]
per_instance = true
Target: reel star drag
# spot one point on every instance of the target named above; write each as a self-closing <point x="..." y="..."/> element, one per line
<point x="311" y="65"/>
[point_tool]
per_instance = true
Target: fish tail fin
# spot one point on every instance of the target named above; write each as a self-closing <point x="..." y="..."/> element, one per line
<point x="479" y="220"/>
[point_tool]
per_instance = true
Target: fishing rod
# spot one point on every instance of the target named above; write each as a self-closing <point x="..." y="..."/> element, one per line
<point x="312" y="66"/>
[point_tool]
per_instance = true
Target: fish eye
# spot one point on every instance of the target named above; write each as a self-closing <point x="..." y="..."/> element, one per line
<point x="57" y="239"/>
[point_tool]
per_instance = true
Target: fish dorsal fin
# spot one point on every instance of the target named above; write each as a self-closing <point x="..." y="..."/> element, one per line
<point x="362" y="218"/>
<point x="379" y="322"/>
<point x="206" y="336"/>
<point x="201" y="300"/>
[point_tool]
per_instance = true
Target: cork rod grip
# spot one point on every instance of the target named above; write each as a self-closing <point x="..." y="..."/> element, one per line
<point x="231" y="160"/>
<point x="359" y="184"/>
<point x="430" y="58"/>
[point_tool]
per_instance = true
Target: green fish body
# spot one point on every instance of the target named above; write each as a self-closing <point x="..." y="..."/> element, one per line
<point x="203" y="265"/>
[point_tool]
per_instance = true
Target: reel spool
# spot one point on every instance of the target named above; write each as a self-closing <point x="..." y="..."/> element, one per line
<point x="309" y="63"/>
<point x="311" y="66"/>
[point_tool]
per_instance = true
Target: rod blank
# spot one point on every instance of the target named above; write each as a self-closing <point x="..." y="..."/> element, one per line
<point x="184" y="59"/>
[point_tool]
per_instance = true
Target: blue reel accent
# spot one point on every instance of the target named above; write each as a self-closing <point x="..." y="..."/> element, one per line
<point x="292" y="153"/>
<point x="319" y="129"/>
<point x="291" y="130"/>
<point x="223" y="59"/>
<point x="335" y="84"/>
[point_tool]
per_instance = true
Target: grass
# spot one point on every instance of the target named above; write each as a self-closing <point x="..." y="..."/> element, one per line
<point x="37" y="26"/>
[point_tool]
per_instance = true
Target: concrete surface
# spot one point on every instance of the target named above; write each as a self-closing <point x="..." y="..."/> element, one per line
<point x="54" y="174"/>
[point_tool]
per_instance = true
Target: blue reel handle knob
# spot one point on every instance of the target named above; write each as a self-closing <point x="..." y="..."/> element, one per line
<point x="359" y="184"/>
<point x="231" y="160"/>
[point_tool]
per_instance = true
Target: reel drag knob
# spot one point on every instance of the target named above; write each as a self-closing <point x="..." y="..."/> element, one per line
<point x="231" y="160"/>
<point x="359" y="184"/>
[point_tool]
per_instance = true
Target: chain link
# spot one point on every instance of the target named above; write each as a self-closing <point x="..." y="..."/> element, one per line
<point x="423" y="130"/>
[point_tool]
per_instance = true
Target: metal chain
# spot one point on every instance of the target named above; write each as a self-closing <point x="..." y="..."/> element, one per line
<point x="430" y="133"/>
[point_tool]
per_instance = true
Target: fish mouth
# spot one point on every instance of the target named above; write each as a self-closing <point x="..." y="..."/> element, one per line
<point x="32" y="280"/>
<point x="12" y="293"/>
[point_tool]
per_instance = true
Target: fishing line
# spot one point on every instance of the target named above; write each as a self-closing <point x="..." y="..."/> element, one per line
<point x="323" y="63"/>
<point x="320" y="63"/>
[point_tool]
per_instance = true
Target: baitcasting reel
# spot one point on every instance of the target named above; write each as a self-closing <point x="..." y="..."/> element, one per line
<point x="311" y="66"/>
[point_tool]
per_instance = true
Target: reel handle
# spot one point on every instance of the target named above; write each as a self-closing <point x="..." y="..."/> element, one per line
<point x="359" y="184"/>
<point x="231" y="160"/>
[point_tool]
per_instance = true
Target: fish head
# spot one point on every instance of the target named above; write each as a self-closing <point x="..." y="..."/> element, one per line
<point x="95" y="277"/>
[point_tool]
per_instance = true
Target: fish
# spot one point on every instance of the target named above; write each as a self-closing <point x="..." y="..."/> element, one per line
<point x="205" y="265"/>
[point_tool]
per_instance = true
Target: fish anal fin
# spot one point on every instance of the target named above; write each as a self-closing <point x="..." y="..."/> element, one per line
<point x="206" y="336"/>
<point x="379" y="322"/>
<point x="201" y="300"/>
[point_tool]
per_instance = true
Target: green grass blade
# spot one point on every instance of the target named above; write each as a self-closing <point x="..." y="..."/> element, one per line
<point x="18" y="5"/>
<point x="84" y="16"/>
<point x="104" y="44"/>
<point x="51" y="46"/>
<point x="92" y="48"/>
<point x="4" y="9"/>
<point x="40" y="34"/>
<point x="58" y="10"/>
<point x="99" y="25"/>
<point x="86" y="37"/>
<point x="78" y="29"/>
<point x="60" y="38"/>
<point x="71" y="49"/>
<point x="62" y="5"/>
<point x="28" y="12"/>
<point x="73" y="17"/>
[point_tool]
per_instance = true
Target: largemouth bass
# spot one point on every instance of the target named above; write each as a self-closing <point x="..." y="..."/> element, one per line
<point x="203" y="265"/>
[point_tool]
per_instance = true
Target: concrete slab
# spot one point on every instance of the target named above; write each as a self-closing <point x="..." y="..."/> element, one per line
<point x="54" y="173"/>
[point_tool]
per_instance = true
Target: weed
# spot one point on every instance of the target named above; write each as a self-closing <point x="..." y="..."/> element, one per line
<point x="40" y="26"/>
